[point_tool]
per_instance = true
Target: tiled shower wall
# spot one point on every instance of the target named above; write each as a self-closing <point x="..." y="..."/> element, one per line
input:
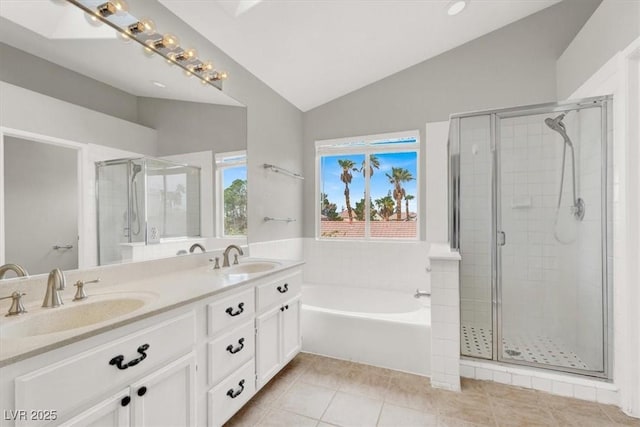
<point x="475" y="222"/>
<point x="549" y="288"/>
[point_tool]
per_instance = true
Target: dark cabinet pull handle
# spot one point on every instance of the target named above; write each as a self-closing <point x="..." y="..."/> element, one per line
<point x="120" y="358"/>
<point x="232" y="350"/>
<point x="283" y="289"/>
<point x="233" y="394"/>
<point x="142" y="391"/>
<point x="125" y="401"/>
<point x="282" y="308"/>
<point x="230" y="311"/>
<point x="286" y="307"/>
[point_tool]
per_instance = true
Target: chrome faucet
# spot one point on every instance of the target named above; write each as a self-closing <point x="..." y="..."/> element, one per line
<point x="196" y="245"/>
<point x="55" y="283"/>
<point x="225" y="260"/>
<point x="20" y="271"/>
<point x="16" y="304"/>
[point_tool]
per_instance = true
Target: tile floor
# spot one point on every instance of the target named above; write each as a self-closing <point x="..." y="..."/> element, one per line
<point x="323" y="392"/>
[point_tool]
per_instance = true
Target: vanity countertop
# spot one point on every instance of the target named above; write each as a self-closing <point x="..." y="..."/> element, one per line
<point x="161" y="293"/>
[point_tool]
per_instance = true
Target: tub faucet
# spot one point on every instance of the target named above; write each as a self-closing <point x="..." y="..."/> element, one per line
<point x="20" y="271"/>
<point x="420" y="293"/>
<point x="55" y="283"/>
<point x="193" y="247"/>
<point x="225" y="260"/>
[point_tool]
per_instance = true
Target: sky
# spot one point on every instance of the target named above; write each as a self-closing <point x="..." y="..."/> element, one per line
<point x="231" y="174"/>
<point x="380" y="186"/>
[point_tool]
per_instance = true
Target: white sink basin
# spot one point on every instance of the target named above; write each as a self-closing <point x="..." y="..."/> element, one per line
<point x="71" y="315"/>
<point x="250" y="268"/>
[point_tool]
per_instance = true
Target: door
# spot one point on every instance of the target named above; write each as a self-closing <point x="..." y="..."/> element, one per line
<point x="291" y="337"/>
<point x="268" y="345"/>
<point x="110" y="412"/>
<point x="550" y="199"/>
<point x="41" y="205"/>
<point x="166" y="398"/>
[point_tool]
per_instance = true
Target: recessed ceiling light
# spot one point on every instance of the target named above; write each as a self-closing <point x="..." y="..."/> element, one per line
<point x="456" y="6"/>
<point x="159" y="84"/>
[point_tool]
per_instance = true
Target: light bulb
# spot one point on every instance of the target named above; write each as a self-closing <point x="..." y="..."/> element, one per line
<point x="148" y="51"/>
<point x="92" y="19"/>
<point x="203" y="67"/>
<point x="188" y="55"/>
<point x="148" y="25"/>
<point x="121" y="7"/>
<point x="223" y="75"/>
<point x="170" y="41"/>
<point x="189" y="71"/>
<point x="124" y="37"/>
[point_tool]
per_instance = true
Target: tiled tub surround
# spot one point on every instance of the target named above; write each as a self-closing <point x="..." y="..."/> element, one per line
<point x="319" y="391"/>
<point x="187" y="325"/>
<point x="383" y="328"/>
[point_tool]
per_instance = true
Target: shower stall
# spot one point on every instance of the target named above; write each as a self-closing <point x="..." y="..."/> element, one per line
<point x="529" y="198"/>
<point x="143" y="201"/>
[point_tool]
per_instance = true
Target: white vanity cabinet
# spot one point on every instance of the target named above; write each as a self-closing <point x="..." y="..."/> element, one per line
<point x="193" y="365"/>
<point x="278" y="337"/>
<point x="164" y="398"/>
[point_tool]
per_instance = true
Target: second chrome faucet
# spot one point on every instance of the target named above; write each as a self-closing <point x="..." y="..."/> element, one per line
<point x="55" y="283"/>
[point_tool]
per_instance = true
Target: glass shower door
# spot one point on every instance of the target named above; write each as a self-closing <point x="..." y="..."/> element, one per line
<point x="550" y="198"/>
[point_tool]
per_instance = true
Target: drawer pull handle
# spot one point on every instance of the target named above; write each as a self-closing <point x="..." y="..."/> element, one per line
<point x="125" y="401"/>
<point x="142" y="391"/>
<point x="283" y="289"/>
<point x="230" y="311"/>
<point x="120" y="358"/>
<point x="240" y="346"/>
<point x="233" y="394"/>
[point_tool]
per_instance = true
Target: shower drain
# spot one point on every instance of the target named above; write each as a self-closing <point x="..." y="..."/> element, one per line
<point x="513" y="353"/>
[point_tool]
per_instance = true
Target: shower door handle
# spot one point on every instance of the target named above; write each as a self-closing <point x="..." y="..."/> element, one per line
<point x="502" y="238"/>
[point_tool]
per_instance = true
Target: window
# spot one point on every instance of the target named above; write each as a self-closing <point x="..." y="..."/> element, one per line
<point x="231" y="174"/>
<point x="368" y="187"/>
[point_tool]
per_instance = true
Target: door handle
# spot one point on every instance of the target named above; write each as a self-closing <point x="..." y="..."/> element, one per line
<point x="502" y="238"/>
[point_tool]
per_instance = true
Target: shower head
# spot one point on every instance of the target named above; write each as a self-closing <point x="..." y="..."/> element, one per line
<point x="557" y="125"/>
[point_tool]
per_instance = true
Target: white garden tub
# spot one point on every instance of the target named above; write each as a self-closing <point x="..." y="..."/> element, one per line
<point x="382" y="328"/>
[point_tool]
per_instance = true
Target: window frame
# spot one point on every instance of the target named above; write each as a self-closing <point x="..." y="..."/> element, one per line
<point x="366" y="145"/>
<point x="220" y="166"/>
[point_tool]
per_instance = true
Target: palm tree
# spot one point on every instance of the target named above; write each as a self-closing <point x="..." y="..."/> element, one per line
<point x="346" y="177"/>
<point x="408" y="197"/>
<point x="385" y="207"/>
<point x="397" y="177"/>
<point x="374" y="162"/>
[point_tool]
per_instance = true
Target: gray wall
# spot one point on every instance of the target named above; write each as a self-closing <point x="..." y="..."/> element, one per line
<point x="185" y="127"/>
<point x="274" y="134"/>
<point x="611" y="28"/>
<point x="23" y="69"/>
<point x="41" y="205"/>
<point x="514" y="65"/>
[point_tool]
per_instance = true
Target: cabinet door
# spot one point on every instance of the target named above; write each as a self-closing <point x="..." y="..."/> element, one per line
<point x="166" y="397"/>
<point x="268" y="345"/>
<point x="109" y="413"/>
<point x="291" y="337"/>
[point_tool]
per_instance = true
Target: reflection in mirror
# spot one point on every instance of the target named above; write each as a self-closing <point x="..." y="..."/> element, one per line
<point x="122" y="163"/>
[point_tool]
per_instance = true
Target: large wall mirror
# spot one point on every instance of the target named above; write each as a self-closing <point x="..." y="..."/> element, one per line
<point x="108" y="155"/>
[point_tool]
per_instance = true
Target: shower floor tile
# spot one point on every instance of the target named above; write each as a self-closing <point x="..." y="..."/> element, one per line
<point x="476" y="342"/>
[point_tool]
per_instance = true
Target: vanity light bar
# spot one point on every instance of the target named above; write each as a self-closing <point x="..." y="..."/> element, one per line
<point x="143" y="32"/>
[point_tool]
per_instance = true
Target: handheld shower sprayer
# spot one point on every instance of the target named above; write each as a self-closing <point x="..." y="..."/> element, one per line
<point x="557" y="125"/>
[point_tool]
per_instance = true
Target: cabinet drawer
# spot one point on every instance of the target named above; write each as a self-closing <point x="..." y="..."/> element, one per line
<point x="230" y="311"/>
<point x="278" y="291"/>
<point x="228" y="352"/>
<point x="81" y="379"/>
<point x="231" y="394"/>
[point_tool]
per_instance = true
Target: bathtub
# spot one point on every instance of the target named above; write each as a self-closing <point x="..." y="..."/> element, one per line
<point x="376" y="327"/>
